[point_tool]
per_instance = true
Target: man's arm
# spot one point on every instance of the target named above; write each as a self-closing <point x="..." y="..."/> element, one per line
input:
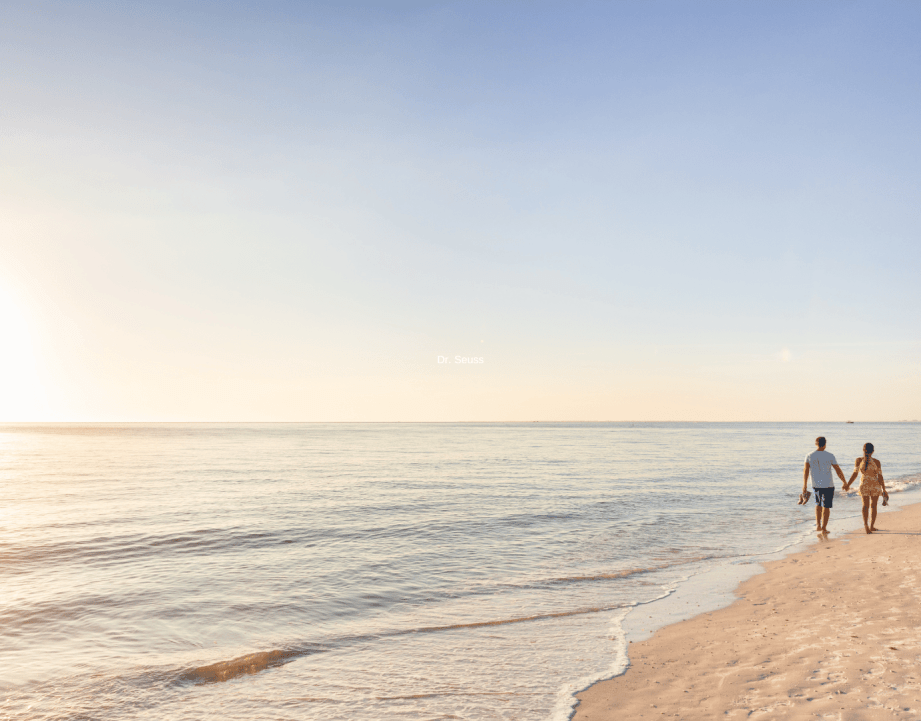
<point x="838" y="471"/>
<point x="805" y="476"/>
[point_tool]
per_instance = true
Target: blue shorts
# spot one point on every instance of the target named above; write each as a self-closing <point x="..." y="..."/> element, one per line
<point x="824" y="497"/>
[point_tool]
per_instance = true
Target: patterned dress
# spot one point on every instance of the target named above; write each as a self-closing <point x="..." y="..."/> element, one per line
<point x="869" y="479"/>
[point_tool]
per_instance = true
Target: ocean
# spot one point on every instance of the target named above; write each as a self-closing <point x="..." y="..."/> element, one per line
<point x="382" y="571"/>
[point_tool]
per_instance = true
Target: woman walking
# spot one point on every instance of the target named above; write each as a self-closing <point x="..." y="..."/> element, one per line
<point x="871" y="487"/>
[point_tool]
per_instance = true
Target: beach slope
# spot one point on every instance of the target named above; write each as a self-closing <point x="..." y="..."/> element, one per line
<point x="833" y="632"/>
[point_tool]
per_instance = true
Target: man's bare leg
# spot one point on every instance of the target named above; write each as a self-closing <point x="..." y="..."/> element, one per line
<point x="826" y="512"/>
<point x="866" y="514"/>
<point x="818" y="518"/>
<point x="873" y="513"/>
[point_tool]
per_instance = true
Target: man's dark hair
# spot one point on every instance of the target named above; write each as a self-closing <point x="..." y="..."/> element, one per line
<point x="820" y="441"/>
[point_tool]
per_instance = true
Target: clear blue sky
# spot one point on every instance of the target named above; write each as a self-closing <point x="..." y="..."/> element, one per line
<point x="628" y="210"/>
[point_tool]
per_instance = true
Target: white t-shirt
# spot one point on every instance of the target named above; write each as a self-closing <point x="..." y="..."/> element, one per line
<point x="820" y="463"/>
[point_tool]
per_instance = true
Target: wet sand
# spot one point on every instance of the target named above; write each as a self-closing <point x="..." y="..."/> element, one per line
<point x="833" y="632"/>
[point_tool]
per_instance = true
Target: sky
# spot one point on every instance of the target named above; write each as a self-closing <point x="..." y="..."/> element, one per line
<point x="316" y="211"/>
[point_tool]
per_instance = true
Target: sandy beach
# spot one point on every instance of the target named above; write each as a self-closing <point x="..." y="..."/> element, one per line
<point x="833" y="632"/>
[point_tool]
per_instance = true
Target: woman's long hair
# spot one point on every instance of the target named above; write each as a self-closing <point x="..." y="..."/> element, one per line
<point x="867" y="450"/>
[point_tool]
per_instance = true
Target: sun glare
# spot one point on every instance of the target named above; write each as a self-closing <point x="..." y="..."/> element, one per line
<point x="22" y="395"/>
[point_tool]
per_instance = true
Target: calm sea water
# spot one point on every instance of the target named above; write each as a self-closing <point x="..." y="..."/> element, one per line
<point x="373" y="571"/>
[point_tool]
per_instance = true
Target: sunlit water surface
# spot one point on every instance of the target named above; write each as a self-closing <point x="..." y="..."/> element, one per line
<point x="369" y="571"/>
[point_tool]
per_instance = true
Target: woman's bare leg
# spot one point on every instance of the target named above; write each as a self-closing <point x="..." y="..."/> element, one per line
<point x="873" y="514"/>
<point x="866" y="513"/>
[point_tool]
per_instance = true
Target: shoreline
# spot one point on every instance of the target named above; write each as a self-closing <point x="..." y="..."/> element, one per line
<point x="831" y="631"/>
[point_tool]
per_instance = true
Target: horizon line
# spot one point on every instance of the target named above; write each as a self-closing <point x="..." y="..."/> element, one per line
<point x="240" y="422"/>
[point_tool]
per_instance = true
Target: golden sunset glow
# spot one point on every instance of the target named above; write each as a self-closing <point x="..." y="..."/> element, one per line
<point x="251" y="223"/>
<point x="22" y="394"/>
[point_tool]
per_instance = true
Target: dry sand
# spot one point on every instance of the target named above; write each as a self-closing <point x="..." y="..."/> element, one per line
<point x="833" y="632"/>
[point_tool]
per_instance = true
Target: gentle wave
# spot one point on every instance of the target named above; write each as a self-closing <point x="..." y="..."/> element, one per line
<point x="105" y="550"/>
<point x="448" y="693"/>
<point x="255" y="662"/>
<point x="119" y="549"/>
<point x="900" y="484"/>
<point x="75" y="607"/>
<point x="632" y="571"/>
<point x="244" y="665"/>
<point x="506" y="621"/>
<point x="903" y="483"/>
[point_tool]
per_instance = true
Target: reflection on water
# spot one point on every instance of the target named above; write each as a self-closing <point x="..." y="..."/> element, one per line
<point x="473" y="571"/>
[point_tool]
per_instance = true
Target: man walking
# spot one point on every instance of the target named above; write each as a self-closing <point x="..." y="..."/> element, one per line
<point x="820" y="463"/>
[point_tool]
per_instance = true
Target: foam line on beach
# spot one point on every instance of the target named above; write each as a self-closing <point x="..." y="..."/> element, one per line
<point x="565" y="708"/>
<point x="830" y="629"/>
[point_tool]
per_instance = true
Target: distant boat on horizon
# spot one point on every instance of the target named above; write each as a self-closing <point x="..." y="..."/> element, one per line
<point x="850" y="421"/>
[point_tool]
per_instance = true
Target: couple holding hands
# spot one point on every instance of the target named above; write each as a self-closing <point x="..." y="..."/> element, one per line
<point x="820" y="464"/>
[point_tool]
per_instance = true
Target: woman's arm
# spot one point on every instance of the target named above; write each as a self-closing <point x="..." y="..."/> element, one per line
<point x="853" y="475"/>
<point x="882" y="481"/>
